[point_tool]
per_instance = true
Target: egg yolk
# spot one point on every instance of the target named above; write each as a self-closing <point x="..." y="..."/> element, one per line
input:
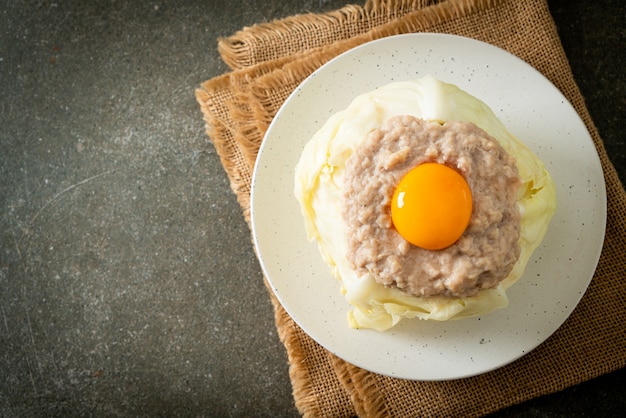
<point x="432" y="206"/>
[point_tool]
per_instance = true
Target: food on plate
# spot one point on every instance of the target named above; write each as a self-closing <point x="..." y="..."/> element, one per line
<point x="452" y="225"/>
<point x="422" y="203"/>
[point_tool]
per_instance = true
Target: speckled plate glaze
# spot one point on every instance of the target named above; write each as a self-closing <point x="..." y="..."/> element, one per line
<point x="557" y="275"/>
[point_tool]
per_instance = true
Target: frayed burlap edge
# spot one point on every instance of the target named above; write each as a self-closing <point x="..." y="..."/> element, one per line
<point x="265" y="41"/>
<point x="224" y="102"/>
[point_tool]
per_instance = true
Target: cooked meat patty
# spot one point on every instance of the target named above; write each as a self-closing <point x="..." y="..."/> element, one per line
<point x="489" y="247"/>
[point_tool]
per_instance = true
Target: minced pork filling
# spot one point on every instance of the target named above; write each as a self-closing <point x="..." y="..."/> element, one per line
<point x="489" y="247"/>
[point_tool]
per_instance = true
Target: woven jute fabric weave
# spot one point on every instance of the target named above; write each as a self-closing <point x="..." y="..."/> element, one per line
<point x="268" y="63"/>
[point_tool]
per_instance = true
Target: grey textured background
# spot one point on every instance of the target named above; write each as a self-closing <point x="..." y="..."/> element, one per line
<point x="129" y="285"/>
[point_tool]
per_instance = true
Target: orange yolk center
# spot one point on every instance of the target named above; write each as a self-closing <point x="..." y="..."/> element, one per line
<point x="432" y="206"/>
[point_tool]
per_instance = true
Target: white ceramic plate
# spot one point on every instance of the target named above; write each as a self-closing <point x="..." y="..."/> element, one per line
<point x="557" y="275"/>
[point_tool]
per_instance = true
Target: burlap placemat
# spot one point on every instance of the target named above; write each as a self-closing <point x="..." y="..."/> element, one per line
<point x="270" y="60"/>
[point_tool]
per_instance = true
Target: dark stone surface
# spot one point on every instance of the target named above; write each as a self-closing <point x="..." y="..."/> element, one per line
<point x="129" y="284"/>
